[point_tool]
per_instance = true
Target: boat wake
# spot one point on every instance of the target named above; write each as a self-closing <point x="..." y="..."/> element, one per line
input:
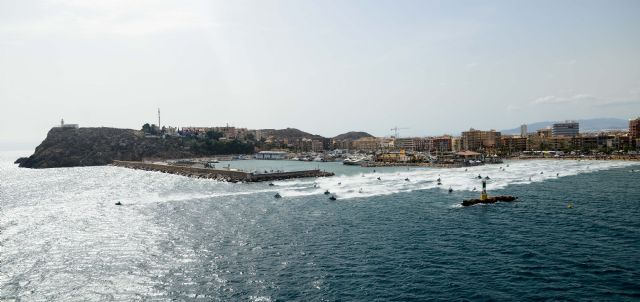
<point x="458" y="179"/>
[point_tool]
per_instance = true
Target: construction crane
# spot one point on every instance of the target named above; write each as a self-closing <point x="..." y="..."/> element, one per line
<point x="395" y="129"/>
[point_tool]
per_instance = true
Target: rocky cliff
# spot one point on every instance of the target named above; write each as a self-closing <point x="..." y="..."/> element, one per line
<point x="69" y="147"/>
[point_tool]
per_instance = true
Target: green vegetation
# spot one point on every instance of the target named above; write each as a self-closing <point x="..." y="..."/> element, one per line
<point x="215" y="147"/>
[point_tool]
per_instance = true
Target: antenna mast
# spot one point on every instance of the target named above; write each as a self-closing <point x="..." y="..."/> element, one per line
<point x="159" y="119"/>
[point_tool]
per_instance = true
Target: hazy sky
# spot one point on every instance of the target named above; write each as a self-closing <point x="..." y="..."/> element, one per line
<point x="321" y="66"/>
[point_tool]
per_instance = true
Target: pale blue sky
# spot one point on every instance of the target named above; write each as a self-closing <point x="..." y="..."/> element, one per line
<point x="325" y="67"/>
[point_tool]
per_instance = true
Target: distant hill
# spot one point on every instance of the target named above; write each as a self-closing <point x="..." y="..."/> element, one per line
<point x="289" y="133"/>
<point x="586" y="125"/>
<point x="353" y="135"/>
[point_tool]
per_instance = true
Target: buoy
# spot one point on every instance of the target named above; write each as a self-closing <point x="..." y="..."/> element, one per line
<point x="277" y="195"/>
<point x="483" y="194"/>
<point x="339" y="183"/>
<point x="360" y="190"/>
<point x="326" y="192"/>
<point x="479" y="176"/>
<point x="487" y="177"/>
<point x="379" y="178"/>
<point x="541" y="172"/>
<point x="557" y="174"/>
<point x="439" y="183"/>
<point x="438" y="179"/>
<point x="570" y="206"/>
<point x="474" y="188"/>
<point x="450" y="190"/>
<point x="118" y="203"/>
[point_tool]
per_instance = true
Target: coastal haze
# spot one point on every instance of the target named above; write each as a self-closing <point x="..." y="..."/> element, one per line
<point x="324" y="67"/>
<point x="319" y="150"/>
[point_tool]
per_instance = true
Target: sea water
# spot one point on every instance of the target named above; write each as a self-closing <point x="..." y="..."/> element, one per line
<point x="574" y="234"/>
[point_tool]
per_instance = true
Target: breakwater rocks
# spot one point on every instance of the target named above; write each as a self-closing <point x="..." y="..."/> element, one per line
<point x="70" y="147"/>
<point x="218" y="174"/>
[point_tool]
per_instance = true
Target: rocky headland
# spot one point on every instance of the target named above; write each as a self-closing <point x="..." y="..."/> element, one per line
<point x="72" y="147"/>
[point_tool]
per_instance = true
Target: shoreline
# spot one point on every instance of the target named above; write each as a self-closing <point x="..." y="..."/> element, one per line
<point x="609" y="158"/>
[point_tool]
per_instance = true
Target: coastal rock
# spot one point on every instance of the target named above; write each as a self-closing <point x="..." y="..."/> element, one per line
<point x="20" y="160"/>
<point x="71" y="147"/>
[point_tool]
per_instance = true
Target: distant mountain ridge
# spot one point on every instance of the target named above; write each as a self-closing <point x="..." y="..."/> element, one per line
<point x="586" y="125"/>
<point x="353" y="135"/>
<point x="293" y="133"/>
<point x="289" y="133"/>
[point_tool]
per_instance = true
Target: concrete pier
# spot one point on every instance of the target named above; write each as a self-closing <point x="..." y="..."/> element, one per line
<point x="219" y="174"/>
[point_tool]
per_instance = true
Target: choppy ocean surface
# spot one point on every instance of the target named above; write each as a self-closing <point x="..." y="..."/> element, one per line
<point x="175" y="238"/>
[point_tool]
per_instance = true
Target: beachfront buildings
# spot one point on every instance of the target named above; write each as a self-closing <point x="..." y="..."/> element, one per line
<point x="512" y="144"/>
<point x="479" y="140"/>
<point x="568" y="128"/>
<point x="634" y="128"/>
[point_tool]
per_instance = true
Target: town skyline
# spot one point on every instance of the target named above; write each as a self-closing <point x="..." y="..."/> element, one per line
<point x="25" y="145"/>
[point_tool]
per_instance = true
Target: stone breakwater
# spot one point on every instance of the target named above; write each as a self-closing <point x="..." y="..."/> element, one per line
<point x="218" y="174"/>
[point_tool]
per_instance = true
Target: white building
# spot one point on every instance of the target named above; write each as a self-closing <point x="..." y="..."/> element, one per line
<point x="63" y="125"/>
<point x="271" y="155"/>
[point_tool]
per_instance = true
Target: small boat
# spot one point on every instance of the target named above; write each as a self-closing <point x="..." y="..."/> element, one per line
<point x="339" y="183"/>
<point x="487" y="177"/>
<point x="333" y="197"/>
<point x="327" y="192"/>
<point x="439" y="183"/>
<point x="450" y="190"/>
<point x="379" y="178"/>
<point x="118" y="203"/>
<point x="541" y="172"/>
<point x="406" y="179"/>
<point x="277" y="195"/>
<point x="479" y="176"/>
<point x="271" y="184"/>
<point x="353" y="161"/>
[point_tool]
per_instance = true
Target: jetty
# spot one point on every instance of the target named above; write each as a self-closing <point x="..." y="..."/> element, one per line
<point x="486" y="199"/>
<point x="220" y="174"/>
